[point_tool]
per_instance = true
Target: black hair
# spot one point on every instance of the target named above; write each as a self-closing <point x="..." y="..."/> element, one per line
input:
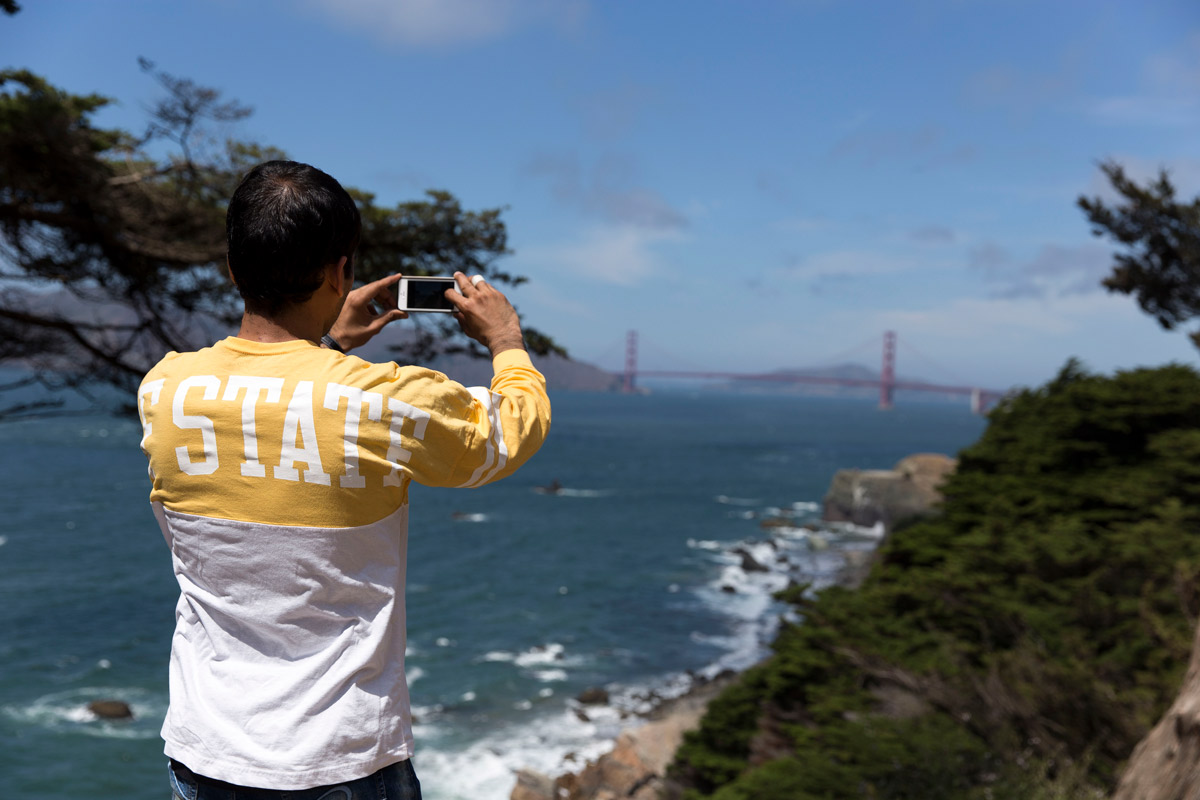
<point x="286" y="222"/>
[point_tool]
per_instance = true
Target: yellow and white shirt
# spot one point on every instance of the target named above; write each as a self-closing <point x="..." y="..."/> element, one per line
<point x="280" y="481"/>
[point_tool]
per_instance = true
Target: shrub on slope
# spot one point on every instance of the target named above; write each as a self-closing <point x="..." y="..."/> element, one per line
<point x="1018" y="645"/>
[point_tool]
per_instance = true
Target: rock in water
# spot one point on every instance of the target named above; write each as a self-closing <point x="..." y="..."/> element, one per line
<point x="890" y="496"/>
<point x="110" y="709"/>
<point x="749" y="563"/>
<point x="594" y="696"/>
<point x="533" y="785"/>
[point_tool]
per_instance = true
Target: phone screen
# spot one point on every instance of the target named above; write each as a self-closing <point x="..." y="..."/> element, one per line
<point x="428" y="294"/>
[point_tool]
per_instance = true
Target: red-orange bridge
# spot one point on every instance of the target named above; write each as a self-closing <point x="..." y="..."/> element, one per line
<point x="887" y="382"/>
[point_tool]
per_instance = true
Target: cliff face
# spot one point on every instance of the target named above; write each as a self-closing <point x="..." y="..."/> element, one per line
<point x="867" y="497"/>
<point x="1018" y="643"/>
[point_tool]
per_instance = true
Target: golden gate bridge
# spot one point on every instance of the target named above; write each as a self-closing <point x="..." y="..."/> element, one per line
<point x="887" y="382"/>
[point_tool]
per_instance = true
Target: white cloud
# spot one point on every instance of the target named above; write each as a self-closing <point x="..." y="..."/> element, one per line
<point x="608" y="191"/>
<point x="1142" y="110"/>
<point x="1022" y="91"/>
<point x="623" y="255"/>
<point x="825" y="271"/>
<point x="1005" y="340"/>
<point x="1167" y="95"/>
<point x="1056" y="271"/>
<point x="804" y="224"/>
<point x="439" y="23"/>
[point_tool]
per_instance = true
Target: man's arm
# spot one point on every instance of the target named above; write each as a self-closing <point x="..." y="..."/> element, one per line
<point x="483" y="313"/>
<point x="482" y="434"/>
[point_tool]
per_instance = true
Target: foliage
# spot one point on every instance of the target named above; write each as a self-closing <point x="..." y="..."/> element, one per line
<point x="1161" y="239"/>
<point x="1018" y="645"/>
<point x="111" y="253"/>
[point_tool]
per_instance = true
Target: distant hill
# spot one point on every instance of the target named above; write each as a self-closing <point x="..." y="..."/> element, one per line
<point x="776" y="382"/>
<point x="562" y="374"/>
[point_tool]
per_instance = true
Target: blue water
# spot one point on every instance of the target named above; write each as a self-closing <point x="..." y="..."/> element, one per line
<point x="518" y="600"/>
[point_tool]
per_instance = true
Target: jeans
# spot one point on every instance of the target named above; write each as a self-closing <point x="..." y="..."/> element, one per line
<point x="394" y="782"/>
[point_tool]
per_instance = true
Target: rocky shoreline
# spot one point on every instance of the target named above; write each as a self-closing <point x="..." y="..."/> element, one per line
<point x="636" y="766"/>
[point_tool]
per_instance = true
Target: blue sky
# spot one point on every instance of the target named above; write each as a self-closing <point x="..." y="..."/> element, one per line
<point x="749" y="185"/>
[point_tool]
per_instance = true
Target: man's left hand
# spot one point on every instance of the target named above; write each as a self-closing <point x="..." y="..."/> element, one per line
<point x="359" y="322"/>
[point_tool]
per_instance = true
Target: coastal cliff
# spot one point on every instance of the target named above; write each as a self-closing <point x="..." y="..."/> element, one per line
<point x="1016" y="644"/>
<point x="638" y="764"/>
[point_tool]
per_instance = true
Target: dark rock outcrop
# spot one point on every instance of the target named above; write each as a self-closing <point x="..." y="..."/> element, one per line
<point x="594" y="696"/>
<point x="110" y="709"/>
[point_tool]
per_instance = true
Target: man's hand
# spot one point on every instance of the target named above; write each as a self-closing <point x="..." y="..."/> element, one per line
<point x="358" y="323"/>
<point x="485" y="315"/>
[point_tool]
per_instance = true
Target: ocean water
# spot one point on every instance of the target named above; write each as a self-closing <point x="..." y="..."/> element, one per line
<point x="630" y="579"/>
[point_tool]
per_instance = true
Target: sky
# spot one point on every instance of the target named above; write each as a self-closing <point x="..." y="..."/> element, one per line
<point x="748" y="185"/>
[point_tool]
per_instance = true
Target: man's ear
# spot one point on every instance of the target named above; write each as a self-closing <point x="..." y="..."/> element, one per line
<point x="229" y="271"/>
<point x="339" y="279"/>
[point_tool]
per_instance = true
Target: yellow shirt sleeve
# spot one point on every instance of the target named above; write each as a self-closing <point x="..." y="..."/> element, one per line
<point x="492" y="430"/>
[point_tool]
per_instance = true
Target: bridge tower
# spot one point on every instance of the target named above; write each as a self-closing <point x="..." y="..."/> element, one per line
<point x="887" y="375"/>
<point x="631" y="347"/>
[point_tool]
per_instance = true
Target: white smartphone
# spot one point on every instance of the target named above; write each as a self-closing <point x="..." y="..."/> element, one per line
<point x="425" y="294"/>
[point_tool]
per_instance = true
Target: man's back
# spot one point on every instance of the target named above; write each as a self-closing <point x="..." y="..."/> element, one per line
<point x="281" y="474"/>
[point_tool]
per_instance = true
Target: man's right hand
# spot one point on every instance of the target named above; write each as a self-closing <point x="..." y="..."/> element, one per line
<point x="485" y="315"/>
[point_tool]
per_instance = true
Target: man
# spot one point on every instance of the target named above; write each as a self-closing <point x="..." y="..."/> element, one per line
<point x="280" y="472"/>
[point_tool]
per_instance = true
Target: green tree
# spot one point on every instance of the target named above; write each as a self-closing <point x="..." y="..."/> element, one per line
<point x="1159" y="260"/>
<point x="112" y="244"/>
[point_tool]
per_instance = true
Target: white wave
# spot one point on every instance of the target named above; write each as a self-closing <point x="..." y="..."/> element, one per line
<point x="583" y="492"/>
<point x="69" y="711"/>
<point x="704" y="544"/>
<point x="547" y="654"/>
<point x="442" y="641"/>
<point x="736" y="501"/>
<point x="542" y="662"/>
<point x="3" y="541"/>
<point x="486" y="768"/>
<point x="422" y="714"/>
<point x="802" y="506"/>
<point x="459" y="516"/>
<point x="413" y="674"/>
<point x="483" y="766"/>
<point x="794" y="534"/>
<point x="876" y="531"/>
